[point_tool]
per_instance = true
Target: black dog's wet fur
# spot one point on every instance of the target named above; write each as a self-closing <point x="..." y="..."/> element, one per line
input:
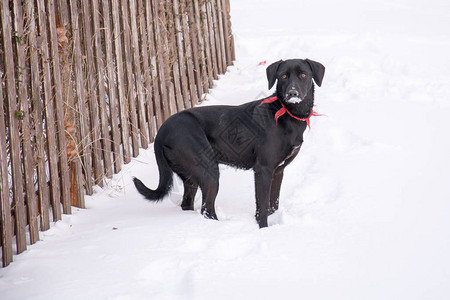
<point x="193" y="142"/>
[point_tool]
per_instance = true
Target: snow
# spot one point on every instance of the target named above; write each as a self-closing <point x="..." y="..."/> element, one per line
<point x="364" y="211"/>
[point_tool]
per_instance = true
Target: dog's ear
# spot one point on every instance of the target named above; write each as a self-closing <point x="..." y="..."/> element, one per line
<point x="318" y="71"/>
<point x="271" y="72"/>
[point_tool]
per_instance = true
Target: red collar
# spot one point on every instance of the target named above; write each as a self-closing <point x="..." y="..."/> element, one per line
<point x="284" y="110"/>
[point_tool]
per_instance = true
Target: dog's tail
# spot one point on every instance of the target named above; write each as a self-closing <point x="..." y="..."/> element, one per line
<point x="165" y="180"/>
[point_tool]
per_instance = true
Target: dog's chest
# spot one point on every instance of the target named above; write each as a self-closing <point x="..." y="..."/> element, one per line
<point x="290" y="156"/>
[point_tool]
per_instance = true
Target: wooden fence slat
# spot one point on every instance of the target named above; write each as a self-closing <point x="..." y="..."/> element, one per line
<point x="170" y="44"/>
<point x="161" y="52"/>
<point x="226" y="31"/>
<point x="131" y="92"/>
<point x="23" y="112"/>
<point x="105" y="136"/>
<point x="143" y="132"/>
<point x="154" y="65"/>
<point x="77" y="188"/>
<point x="177" y="36"/>
<point x="191" y="60"/>
<point x="175" y="97"/>
<point x="50" y="130"/>
<point x="164" y="49"/>
<point x="74" y="94"/>
<point x="138" y="74"/>
<point x="147" y="72"/>
<point x="112" y="95"/>
<point x="37" y="150"/>
<point x="91" y="95"/>
<point x="219" y="25"/>
<point x="14" y="139"/>
<point x="62" y="11"/>
<point x="67" y="111"/>
<point x="84" y="141"/>
<point x="197" y="37"/>
<point x="63" y="164"/>
<point x="216" y="34"/>
<point x="5" y="205"/>
<point x="37" y="115"/>
<point x="209" y="22"/>
<point x="230" y="35"/>
<point x="212" y="70"/>
<point x="123" y="104"/>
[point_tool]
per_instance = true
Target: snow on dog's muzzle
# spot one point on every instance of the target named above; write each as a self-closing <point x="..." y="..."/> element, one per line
<point x="294" y="100"/>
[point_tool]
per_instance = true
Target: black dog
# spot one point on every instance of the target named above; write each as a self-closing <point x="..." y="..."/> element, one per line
<point x="265" y="135"/>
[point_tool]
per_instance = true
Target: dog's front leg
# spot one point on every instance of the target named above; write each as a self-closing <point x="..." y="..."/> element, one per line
<point x="263" y="182"/>
<point x="275" y="190"/>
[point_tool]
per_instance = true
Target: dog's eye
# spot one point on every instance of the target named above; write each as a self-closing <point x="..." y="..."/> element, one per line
<point x="284" y="76"/>
<point x="303" y="75"/>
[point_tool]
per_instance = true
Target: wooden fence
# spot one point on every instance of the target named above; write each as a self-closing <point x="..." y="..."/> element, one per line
<point x="86" y="83"/>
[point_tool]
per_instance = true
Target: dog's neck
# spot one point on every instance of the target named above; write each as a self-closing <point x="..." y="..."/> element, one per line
<point x="302" y="109"/>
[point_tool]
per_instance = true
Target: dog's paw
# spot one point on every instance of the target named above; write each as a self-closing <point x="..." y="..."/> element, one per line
<point x="209" y="214"/>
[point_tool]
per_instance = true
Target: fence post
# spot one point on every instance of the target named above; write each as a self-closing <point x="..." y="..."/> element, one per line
<point x="99" y="64"/>
<point x="212" y="70"/>
<point x="198" y="47"/>
<point x="230" y="35"/>
<point x="91" y="95"/>
<point x="172" y="72"/>
<point x="112" y="86"/>
<point x="160" y="51"/>
<point x="84" y="147"/>
<point x="14" y="139"/>
<point x="73" y="184"/>
<point x="22" y="80"/>
<point x="37" y="115"/>
<point x="123" y="110"/>
<point x="220" y="25"/>
<point x="5" y="205"/>
<point x="148" y="86"/>
<point x="50" y="129"/>
<point x="139" y="98"/>
<point x="190" y="59"/>
<point x="179" y="52"/>
<point x="130" y="95"/>
<point x="61" y="134"/>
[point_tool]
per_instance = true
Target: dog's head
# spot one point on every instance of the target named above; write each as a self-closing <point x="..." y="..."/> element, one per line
<point x="294" y="78"/>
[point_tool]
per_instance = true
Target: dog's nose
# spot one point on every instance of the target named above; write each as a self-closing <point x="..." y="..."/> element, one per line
<point x="293" y="93"/>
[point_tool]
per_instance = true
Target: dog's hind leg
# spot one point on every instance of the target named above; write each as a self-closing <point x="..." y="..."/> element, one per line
<point x="190" y="189"/>
<point x="210" y="186"/>
<point x="190" y="156"/>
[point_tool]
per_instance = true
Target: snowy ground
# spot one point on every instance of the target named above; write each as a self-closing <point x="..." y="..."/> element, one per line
<point x="364" y="208"/>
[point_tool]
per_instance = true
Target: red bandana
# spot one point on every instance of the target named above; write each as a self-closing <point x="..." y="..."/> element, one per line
<point x="284" y="110"/>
